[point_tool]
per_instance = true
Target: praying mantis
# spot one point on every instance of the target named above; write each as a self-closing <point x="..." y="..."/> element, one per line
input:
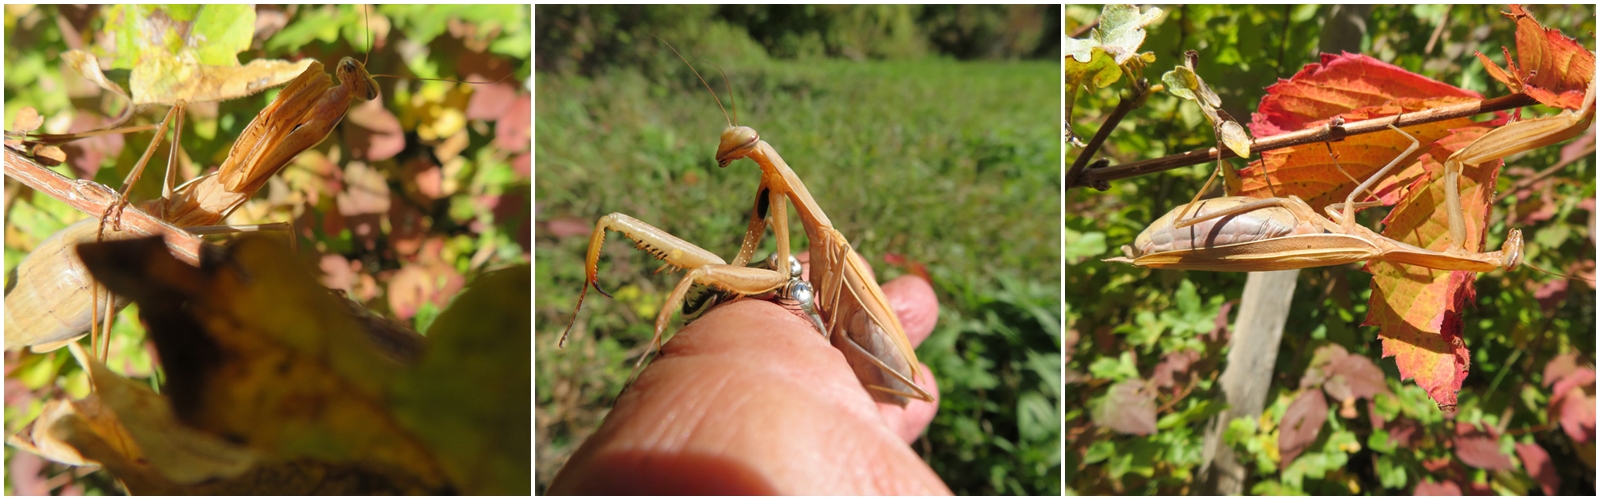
<point x="54" y="301"/>
<point x="851" y="310"/>
<point x="45" y="307"/>
<point x="1418" y="293"/>
<point x="1249" y="234"/>
<point x="302" y="116"/>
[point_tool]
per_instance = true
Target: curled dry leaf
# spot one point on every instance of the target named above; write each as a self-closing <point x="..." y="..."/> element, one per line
<point x="275" y="385"/>
<point x="258" y="354"/>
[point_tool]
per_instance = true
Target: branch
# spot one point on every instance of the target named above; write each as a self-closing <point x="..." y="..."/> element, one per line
<point x="1321" y="134"/>
<point x="1140" y="90"/>
<point x="92" y="198"/>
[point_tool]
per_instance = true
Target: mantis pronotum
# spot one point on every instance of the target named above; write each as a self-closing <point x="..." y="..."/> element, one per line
<point x="854" y="314"/>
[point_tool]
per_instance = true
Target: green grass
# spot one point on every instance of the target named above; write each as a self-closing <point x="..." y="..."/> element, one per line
<point x="953" y="165"/>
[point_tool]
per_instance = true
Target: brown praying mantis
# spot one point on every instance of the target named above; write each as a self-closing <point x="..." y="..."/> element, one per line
<point x="52" y="303"/>
<point x="1249" y="234"/>
<point x="852" y="312"/>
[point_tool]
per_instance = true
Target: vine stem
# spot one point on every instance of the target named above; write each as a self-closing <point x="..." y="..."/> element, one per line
<point x="1103" y="176"/>
<point x="92" y="198"/>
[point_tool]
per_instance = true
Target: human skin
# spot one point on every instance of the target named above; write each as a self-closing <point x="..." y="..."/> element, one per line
<point x="751" y="400"/>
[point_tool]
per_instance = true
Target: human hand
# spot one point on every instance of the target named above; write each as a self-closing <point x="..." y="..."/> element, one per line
<point x="751" y="399"/>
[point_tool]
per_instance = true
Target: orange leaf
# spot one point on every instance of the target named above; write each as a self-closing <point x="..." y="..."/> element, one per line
<point x="1416" y="309"/>
<point x="1436" y="362"/>
<point x="1550" y="67"/>
<point x="1310" y="172"/>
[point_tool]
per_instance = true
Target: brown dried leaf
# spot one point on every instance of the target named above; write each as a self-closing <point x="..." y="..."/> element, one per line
<point x="27" y="120"/>
<point x="1128" y="409"/>
<point x="87" y="65"/>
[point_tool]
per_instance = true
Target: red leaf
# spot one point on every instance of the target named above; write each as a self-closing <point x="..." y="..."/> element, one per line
<point x="1559" y="367"/>
<point x="514" y="131"/>
<point x="337" y="273"/>
<point x="1301" y="423"/>
<point x="1550" y="295"/>
<point x="1317" y="371"/>
<point x="1337" y="84"/>
<point x="377" y="134"/>
<point x="1572" y="399"/>
<point x="1539" y="467"/>
<point x="1354" y="377"/>
<point x="1479" y="448"/>
<point x="1323" y="173"/>
<point x="1403" y="431"/>
<point x="1219" y="329"/>
<point x="490" y="102"/>
<point x="1173" y="365"/>
<point x="85" y="156"/>
<point x="408" y="289"/>
<point x="1128" y="409"/>
<point x="1431" y="489"/>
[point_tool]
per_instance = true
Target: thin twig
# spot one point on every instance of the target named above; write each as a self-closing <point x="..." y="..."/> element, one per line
<point x="1438" y="31"/>
<point x="1319" y="134"/>
<point x="1140" y="88"/>
<point x="92" y="198"/>
<point x="1083" y="29"/>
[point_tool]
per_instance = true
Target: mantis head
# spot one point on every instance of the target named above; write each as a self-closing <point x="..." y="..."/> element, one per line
<point x="1511" y="252"/>
<point x="737" y="141"/>
<point x="352" y="72"/>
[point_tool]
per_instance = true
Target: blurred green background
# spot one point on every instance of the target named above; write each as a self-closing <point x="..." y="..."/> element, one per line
<point x="1126" y="323"/>
<point x="408" y="199"/>
<point x="927" y="133"/>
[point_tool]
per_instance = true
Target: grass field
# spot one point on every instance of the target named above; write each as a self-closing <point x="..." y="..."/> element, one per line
<point x="951" y="165"/>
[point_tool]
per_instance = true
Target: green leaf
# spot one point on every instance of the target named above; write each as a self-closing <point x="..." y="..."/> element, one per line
<point x="1099" y="450"/>
<point x="1122" y="29"/>
<point x="1122" y="368"/>
<point x="1082" y="246"/>
<point x="1379" y="442"/>
<point x="1037" y="419"/>
<point x="469" y="397"/>
<point x="1390" y="473"/>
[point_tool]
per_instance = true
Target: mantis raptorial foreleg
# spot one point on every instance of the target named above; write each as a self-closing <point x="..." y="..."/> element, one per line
<point x="705" y="268"/>
<point x="798" y="292"/>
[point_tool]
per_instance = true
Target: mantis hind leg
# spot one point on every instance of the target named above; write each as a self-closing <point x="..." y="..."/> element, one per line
<point x="113" y="213"/>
